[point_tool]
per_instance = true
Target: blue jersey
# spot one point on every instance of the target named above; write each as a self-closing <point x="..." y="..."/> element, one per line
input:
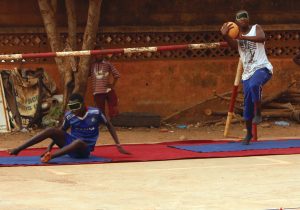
<point x="85" y="128"/>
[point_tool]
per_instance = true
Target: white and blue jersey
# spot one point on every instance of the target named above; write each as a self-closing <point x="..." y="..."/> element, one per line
<point x="85" y="128"/>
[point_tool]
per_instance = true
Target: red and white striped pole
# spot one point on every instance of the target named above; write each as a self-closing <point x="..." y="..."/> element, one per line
<point x="254" y="132"/>
<point x="233" y="97"/>
<point x="232" y="102"/>
<point x="114" y="51"/>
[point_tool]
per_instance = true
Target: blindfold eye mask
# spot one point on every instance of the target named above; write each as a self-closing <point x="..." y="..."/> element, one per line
<point x="74" y="105"/>
<point x="242" y="15"/>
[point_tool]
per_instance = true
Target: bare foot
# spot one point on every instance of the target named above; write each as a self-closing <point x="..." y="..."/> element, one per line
<point x="13" y="151"/>
<point x="46" y="157"/>
<point x="42" y="155"/>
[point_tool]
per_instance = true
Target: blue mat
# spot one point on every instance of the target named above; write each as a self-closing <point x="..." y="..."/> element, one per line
<point x="237" y="146"/>
<point x="35" y="160"/>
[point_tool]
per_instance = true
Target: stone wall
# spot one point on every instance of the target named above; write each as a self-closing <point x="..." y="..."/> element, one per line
<point x="164" y="87"/>
<point x="150" y="13"/>
<point x="170" y="81"/>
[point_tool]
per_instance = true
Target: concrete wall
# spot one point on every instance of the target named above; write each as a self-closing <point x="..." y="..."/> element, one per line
<point x="164" y="87"/>
<point x="145" y="13"/>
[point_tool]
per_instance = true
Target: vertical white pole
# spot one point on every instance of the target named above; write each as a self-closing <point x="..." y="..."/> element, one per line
<point x="4" y="118"/>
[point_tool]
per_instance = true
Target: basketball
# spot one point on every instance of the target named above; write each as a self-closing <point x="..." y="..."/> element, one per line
<point x="234" y="32"/>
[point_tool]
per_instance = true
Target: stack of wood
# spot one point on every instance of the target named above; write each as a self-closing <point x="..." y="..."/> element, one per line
<point x="284" y="104"/>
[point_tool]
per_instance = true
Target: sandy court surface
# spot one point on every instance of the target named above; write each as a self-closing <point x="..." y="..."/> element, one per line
<point x="254" y="183"/>
<point x="250" y="183"/>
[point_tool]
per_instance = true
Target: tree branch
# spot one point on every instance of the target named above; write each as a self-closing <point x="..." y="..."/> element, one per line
<point x="89" y="39"/>
<point x="72" y="24"/>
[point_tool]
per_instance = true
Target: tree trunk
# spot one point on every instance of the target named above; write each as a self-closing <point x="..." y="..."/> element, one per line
<point x="89" y="40"/>
<point x="54" y="5"/>
<point x="48" y="14"/>
<point x="67" y="66"/>
<point x="71" y="45"/>
<point x="72" y="24"/>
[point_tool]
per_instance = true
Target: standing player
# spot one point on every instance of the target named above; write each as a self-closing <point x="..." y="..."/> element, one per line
<point x="257" y="68"/>
<point x="80" y="142"/>
<point x="104" y="90"/>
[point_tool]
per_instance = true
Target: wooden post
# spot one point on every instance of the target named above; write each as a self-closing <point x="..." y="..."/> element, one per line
<point x="233" y="97"/>
<point x="4" y="118"/>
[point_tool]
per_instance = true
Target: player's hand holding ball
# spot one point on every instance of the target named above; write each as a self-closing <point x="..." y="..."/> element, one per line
<point x="231" y="29"/>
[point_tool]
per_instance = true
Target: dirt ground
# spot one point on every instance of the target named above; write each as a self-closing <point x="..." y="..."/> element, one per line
<point x="267" y="130"/>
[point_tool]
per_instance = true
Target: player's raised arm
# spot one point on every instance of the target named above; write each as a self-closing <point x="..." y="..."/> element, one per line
<point x="259" y="37"/>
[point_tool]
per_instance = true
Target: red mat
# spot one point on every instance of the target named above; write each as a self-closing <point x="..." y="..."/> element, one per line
<point x="162" y="151"/>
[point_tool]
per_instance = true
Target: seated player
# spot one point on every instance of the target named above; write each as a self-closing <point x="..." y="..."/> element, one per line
<point x="84" y="123"/>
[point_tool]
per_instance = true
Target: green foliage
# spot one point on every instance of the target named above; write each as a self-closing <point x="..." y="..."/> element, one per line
<point x="53" y="117"/>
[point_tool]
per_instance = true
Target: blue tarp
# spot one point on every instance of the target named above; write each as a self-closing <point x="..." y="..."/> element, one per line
<point x="35" y="160"/>
<point x="238" y="146"/>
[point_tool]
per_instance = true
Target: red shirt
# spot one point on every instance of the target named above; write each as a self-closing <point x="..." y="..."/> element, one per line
<point x="100" y="73"/>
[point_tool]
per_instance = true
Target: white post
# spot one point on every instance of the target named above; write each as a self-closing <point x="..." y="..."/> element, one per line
<point x="4" y="117"/>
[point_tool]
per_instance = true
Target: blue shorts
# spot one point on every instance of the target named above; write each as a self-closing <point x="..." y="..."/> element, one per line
<point x="252" y="90"/>
<point x="80" y="153"/>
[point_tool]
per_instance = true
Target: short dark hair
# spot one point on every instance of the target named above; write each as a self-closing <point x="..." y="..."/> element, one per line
<point x="76" y="97"/>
